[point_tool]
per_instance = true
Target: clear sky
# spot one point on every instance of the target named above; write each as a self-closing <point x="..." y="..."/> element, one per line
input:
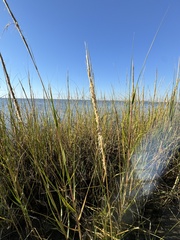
<point x="114" y="30"/>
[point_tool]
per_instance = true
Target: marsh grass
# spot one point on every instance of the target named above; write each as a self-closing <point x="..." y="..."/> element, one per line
<point x="80" y="175"/>
<point x="52" y="170"/>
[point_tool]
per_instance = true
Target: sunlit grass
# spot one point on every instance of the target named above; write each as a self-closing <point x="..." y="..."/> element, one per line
<point x="52" y="170"/>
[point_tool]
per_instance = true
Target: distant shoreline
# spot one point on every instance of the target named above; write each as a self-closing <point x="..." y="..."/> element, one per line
<point x="87" y="100"/>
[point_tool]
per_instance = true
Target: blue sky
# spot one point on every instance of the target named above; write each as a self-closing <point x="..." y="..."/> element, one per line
<point x="114" y="30"/>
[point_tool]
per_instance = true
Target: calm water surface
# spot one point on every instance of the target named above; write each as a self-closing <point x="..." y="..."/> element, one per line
<point x="61" y="105"/>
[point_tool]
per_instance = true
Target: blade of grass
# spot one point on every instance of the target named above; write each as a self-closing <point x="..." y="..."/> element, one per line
<point x="26" y="45"/>
<point x="95" y="107"/>
<point x="16" y="105"/>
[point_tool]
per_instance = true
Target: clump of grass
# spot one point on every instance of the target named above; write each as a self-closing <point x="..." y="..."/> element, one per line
<point x="51" y="176"/>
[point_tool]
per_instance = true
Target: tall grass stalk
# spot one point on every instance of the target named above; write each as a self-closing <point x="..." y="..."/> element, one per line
<point x="100" y="136"/>
<point x="95" y="107"/>
<point x="26" y="45"/>
<point x="16" y="105"/>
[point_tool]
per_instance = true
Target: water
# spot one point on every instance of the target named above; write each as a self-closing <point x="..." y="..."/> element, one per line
<point x="61" y="105"/>
<point x="43" y="107"/>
